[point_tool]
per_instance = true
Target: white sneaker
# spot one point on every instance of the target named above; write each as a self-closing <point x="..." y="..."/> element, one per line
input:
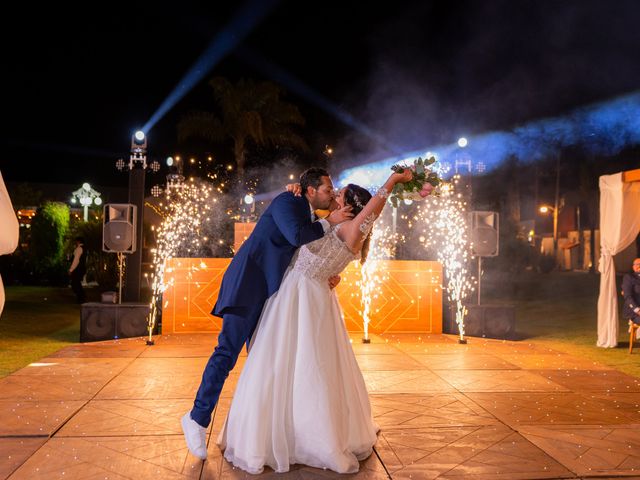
<point x="195" y="436"/>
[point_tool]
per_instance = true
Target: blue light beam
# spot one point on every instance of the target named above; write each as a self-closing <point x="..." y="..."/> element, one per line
<point x="243" y="22"/>
<point x="601" y="129"/>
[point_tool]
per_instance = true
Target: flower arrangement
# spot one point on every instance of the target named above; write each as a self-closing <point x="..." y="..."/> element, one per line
<point x="424" y="182"/>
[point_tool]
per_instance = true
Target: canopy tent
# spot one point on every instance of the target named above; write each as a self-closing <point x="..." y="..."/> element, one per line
<point x="619" y="227"/>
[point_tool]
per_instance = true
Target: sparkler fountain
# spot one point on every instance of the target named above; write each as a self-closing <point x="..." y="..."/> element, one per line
<point x="187" y="210"/>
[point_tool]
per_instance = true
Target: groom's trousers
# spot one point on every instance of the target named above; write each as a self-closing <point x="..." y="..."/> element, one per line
<point x="237" y="328"/>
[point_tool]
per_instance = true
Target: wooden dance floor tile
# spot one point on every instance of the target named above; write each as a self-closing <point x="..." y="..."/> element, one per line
<point x="15" y="451"/>
<point x="29" y="418"/>
<point x="436" y="410"/>
<point x="558" y="361"/>
<point x="593" y="380"/>
<point x="163" y="367"/>
<point x="50" y="387"/>
<point x="107" y="367"/>
<point x="463" y="361"/>
<point x="399" y="361"/>
<point x="182" y="351"/>
<point x="151" y="457"/>
<point x="504" y="381"/>
<point x="109" y="349"/>
<point x="210" y="339"/>
<point x="360" y="348"/>
<point x="127" y="418"/>
<point x="409" y="381"/>
<point x="515" y="409"/>
<point x="482" y="452"/>
<point x="595" y="450"/>
<point x="149" y="388"/>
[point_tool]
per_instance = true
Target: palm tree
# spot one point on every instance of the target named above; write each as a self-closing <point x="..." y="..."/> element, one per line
<point x="250" y="111"/>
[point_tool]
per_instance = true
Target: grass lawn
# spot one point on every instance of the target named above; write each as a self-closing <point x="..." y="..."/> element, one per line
<point x="36" y="322"/>
<point x="557" y="310"/>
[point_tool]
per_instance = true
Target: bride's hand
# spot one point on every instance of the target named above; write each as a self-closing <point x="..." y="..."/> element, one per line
<point x="403" y="177"/>
<point x="294" y="188"/>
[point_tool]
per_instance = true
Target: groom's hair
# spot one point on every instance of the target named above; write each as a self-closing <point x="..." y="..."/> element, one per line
<point x="312" y="177"/>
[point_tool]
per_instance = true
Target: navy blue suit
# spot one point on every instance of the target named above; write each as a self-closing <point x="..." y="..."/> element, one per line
<point x="254" y="274"/>
<point x="631" y="293"/>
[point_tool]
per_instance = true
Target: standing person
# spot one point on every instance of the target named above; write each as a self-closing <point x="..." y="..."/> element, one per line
<point x="9" y="230"/>
<point x="252" y="277"/>
<point x="78" y="269"/>
<point x="301" y="397"/>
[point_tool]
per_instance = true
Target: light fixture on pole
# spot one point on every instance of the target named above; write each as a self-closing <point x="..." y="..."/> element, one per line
<point x="137" y="167"/>
<point x="546" y="209"/>
<point x="86" y="196"/>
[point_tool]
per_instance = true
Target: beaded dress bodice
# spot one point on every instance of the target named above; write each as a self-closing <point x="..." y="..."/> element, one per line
<point x="323" y="258"/>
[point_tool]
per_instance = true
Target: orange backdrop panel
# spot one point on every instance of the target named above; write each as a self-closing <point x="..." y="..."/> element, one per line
<point x="408" y="300"/>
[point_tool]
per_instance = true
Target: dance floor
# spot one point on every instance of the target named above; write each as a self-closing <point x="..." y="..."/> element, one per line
<point x="485" y="410"/>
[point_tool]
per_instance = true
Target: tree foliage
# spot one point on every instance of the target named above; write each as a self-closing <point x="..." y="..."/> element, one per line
<point x="49" y="230"/>
<point x="249" y="111"/>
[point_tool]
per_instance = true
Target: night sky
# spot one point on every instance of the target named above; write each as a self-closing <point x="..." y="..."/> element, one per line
<point x="75" y="84"/>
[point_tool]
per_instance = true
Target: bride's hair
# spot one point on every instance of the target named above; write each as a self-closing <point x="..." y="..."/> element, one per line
<point x="358" y="197"/>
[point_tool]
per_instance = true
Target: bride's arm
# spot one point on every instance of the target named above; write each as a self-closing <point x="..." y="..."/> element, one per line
<point x="355" y="231"/>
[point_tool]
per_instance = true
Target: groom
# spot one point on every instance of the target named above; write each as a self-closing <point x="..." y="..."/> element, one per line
<point x="254" y="274"/>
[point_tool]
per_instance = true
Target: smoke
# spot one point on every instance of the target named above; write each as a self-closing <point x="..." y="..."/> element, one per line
<point x="601" y="129"/>
<point x="439" y="73"/>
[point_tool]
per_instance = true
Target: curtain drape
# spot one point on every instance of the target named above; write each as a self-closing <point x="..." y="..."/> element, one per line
<point x="619" y="227"/>
<point x="9" y="230"/>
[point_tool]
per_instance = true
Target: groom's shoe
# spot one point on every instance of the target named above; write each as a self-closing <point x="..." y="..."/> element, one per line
<point x="195" y="435"/>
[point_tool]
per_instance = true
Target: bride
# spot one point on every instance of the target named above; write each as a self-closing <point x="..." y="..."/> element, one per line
<point x="301" y="397"/>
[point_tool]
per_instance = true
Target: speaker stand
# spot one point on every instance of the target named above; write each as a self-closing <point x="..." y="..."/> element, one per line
<point x="479" y="277"/>
<point x="120" y="268"/>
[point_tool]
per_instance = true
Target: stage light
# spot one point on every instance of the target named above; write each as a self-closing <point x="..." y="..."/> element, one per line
<point x="86" y="186"/>
<point x="139" y="137"/>
<point x="97" y="201"/>
<point x="462" y="142"/>
<point x="169" y="161"/>
<point x="248" y="199"/>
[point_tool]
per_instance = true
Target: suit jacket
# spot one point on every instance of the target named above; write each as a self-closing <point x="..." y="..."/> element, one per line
<point x="257" y="269"/>
<point x="631" y="292"/>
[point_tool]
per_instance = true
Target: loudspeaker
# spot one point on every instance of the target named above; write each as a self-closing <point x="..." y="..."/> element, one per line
<point x="484" y="234"/>
<point x="104" y="321"/>
<point x="487" y="321"/>
<point x="119" y="227"/>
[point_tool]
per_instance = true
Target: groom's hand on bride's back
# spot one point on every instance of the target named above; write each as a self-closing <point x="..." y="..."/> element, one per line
<point x="294" y="188"/>
<point x="340" y="215"/>
<point x="334" y="281"/>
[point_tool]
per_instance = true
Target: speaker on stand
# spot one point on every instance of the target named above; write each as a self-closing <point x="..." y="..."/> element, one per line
<point x="484" y="239"/>
<point x="487" y="321"/>
<point x="119" y="233"/>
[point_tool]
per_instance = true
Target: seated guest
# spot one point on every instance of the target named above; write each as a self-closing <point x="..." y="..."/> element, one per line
<point x="631" y="293"/>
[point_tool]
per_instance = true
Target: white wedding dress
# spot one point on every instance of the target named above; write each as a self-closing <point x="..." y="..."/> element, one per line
<point x="301" y="397"/>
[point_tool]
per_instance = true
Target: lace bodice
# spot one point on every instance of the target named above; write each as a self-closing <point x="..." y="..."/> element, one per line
<point x="324" y="257"/>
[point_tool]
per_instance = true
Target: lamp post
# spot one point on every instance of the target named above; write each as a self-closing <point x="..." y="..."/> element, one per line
<point x="85" y="196"/>
<point x="554" y="210"/>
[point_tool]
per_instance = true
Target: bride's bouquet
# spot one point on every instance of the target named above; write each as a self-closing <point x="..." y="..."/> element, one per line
<point x="424" y="182"/>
